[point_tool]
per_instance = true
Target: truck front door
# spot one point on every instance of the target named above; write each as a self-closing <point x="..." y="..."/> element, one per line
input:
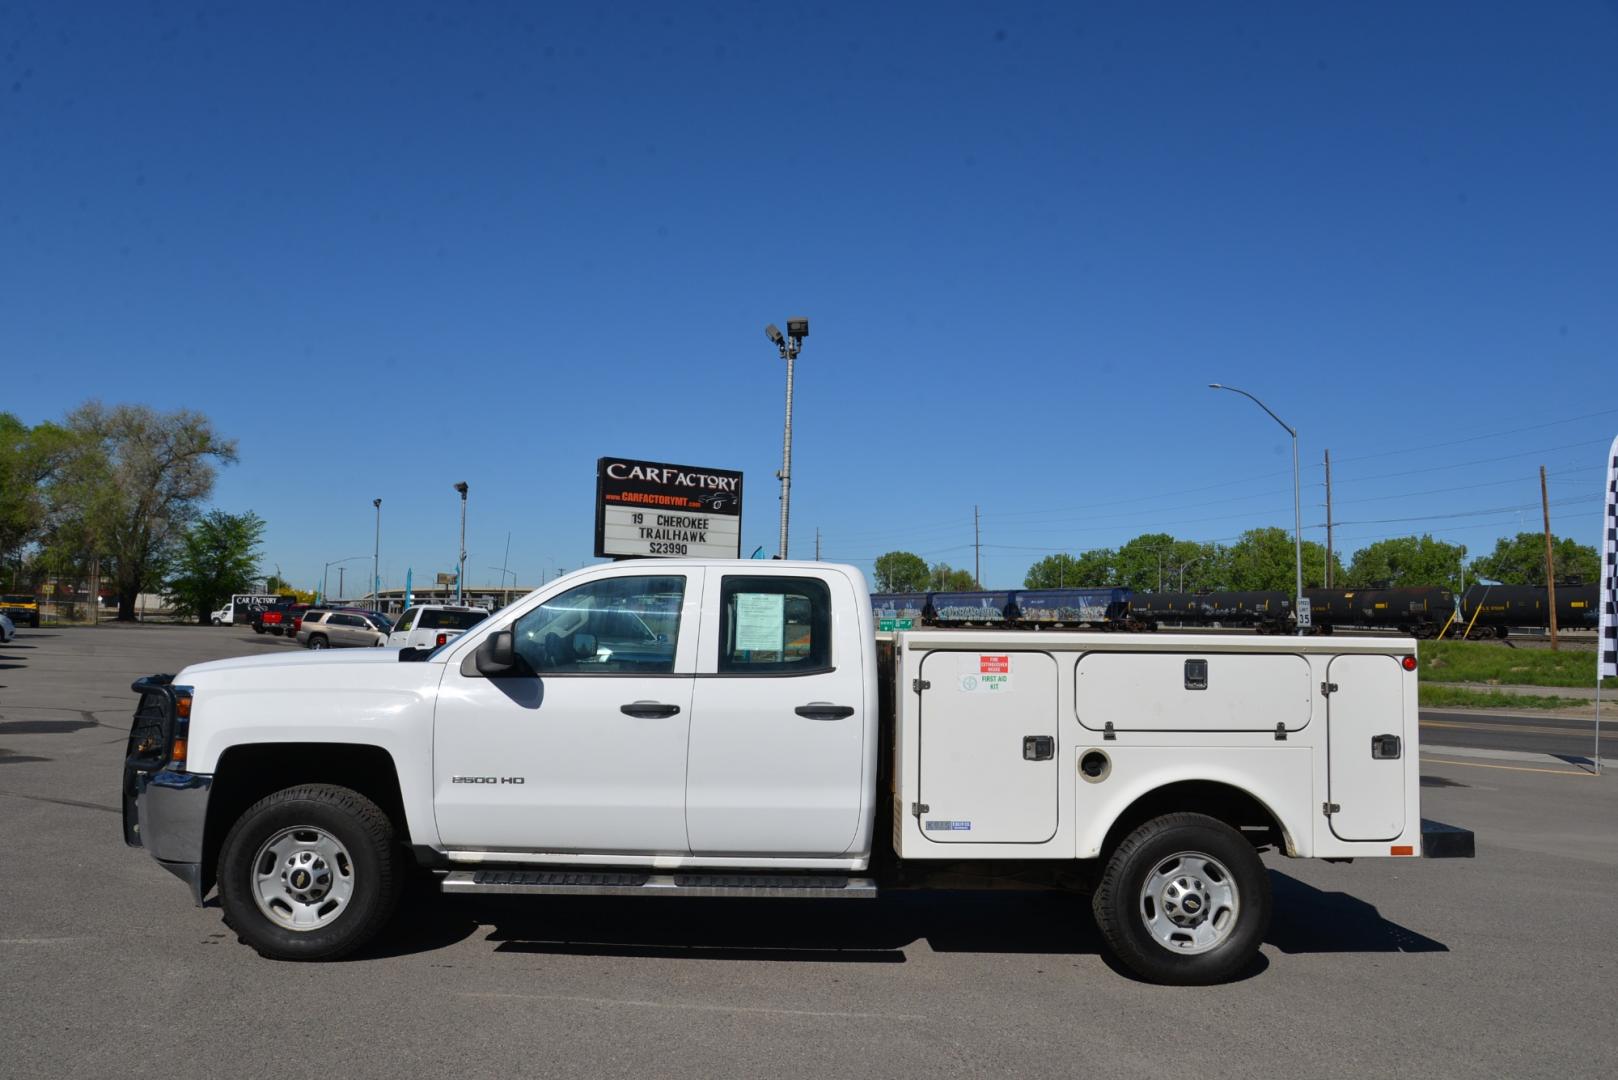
<point x="778" y="753"/>
<point x="589" y="753"/>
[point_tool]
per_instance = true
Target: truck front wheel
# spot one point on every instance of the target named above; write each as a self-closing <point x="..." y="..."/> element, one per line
<point x="1184" y="900"/>
<point x="309" y="873"/>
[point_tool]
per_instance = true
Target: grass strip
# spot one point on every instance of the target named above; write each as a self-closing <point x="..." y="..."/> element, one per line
<point x="1438" y="697"/>
<point x="1491" y="662"/>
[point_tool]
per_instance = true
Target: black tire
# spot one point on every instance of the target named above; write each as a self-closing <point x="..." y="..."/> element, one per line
<point x="1120" y="908"/>
<point x="359" y="825"/>
<point x="257" y="629"/>
<point x="33" y="622"/>
<point x="316" y="641"/>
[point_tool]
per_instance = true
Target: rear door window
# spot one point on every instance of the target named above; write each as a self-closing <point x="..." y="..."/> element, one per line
<point x="451" y="620"/>
<point x="774" y="626"/>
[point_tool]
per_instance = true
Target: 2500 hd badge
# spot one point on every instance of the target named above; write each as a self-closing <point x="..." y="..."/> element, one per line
<point x="487" y="780"/>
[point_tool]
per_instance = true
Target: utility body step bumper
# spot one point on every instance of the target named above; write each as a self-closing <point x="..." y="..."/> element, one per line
<point x="639" y="883"/>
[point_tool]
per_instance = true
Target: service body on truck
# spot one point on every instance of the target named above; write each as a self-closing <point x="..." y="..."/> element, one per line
<point x="727" y="728"/>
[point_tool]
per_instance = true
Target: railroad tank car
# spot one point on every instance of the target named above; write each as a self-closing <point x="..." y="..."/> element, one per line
<point x="1492" y="610"/>
<point x="1262" y="610"/>
<point x="1417" y="610"/>
<point x="1104" y="607"/>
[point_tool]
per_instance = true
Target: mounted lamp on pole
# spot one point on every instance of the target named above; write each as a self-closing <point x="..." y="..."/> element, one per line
<point x="788" y="345"/>
<point x="460" y="573"/>
<point x="1297" y="505"/>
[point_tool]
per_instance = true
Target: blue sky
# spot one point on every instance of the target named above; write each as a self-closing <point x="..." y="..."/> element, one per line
<point x="387" y="248"/>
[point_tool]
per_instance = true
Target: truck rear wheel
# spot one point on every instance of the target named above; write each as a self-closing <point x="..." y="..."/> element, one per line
<point x="1184" y="900"/>
<point x="309" y="873"/>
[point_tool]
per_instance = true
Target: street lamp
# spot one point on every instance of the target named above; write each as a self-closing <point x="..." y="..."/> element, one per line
<point x="376" y="555"/>
<point x="460" y="575"/>
<point x="1297" y="505"/>
<point x="788" y="346"/>
<point x="325" y="576"/>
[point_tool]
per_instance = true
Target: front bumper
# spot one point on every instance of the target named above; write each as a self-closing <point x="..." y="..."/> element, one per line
<point x="166" y="812"/>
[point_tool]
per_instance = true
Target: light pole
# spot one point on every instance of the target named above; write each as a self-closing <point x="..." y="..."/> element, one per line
<point x="325" y="576"/>
<point x="1297" y="505"/>
<point x="788" y="346"/>
<point x="460" y="575"/>
<point x="376" y="556"/>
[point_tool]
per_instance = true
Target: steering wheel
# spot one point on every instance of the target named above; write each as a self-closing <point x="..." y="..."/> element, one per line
<point x="555" y="654"/>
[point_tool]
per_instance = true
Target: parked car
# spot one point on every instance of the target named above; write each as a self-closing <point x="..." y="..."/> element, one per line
<point x="8" y="629"/>
<point x="431" y="625"/>
<point x="21" y="609"/>
<point x="224" y="616"/>
<point x="280" y="619"/>
<point x="327" y="628"/>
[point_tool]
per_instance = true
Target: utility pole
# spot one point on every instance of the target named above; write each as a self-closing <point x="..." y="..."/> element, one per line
<point x="460" y="574"/>
<point x="376" y="556"/>
<point x="341" y="593"/>
<point x="1328" y="519"/>
<point x="1550" y="558"/>
<point x="817" y="543"/>
<point x="977" y="550"/>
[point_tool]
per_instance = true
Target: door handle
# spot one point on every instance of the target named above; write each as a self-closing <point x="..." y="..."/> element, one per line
<point x="820" y="710"/>
<point x="651" y="710"/>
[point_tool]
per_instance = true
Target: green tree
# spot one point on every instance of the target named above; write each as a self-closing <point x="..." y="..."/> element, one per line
<point x="901" y="571"/>
<point x="1264" y="559"/>
<point x="945" y="578"/>
<point x="1520" y="560"/>
<point x="29" y="458"/>
<point x="1407" y="560"/>
<point x="1151" y="558"/>
<point x="217" y="556"/>
<point x="133" y="478"/>
<point x="1090" y="568"/>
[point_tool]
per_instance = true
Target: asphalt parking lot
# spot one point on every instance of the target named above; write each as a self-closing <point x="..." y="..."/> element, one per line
<point x="1501" y="966"/>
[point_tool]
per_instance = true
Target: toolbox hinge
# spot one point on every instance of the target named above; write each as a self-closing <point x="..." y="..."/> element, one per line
<point x="1108" y="734"/>
<point x="1281" y="732"/>
<point x="1327" y="689"/>
<point x="1330" y="808"/>
<point x="918" y="685"/>
<point x="919" y="808"/>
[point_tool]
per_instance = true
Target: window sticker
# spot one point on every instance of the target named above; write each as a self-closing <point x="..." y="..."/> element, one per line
<point x="760" y="621"/>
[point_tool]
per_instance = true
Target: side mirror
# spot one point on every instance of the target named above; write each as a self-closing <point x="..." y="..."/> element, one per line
<point x="584" y="646"/>
<point x="497" y="657"/>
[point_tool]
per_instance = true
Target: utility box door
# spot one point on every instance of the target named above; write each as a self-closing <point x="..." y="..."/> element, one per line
<point x="1367" y="705"/>
<point x="1189" y="691"/>
<point x="989" y="772"/>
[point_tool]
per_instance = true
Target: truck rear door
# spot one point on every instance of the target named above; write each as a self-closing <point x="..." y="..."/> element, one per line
<point x="988" y="747"/>
<point x="778" y="720"/>
<point x="1365" y="721"/>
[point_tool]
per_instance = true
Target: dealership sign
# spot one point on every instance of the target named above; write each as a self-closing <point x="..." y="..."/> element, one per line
<point x="647" y="508"/>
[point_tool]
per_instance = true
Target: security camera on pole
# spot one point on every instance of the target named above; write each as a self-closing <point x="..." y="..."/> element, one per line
<point x="797" y="330"/>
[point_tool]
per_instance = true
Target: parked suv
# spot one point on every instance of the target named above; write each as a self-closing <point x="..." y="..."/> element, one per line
<point x="431" y="625"/>
<point x="324" y="628"/>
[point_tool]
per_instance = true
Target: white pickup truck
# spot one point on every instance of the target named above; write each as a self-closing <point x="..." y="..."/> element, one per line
<point x="717" y="728"/>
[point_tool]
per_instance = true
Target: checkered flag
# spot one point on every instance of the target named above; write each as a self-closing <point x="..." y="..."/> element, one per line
<point x="1609" y="571"/>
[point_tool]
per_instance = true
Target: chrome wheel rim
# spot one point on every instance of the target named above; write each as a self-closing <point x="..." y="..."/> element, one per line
<point x="303" y="878"/>
<point x="1190" y="903"/>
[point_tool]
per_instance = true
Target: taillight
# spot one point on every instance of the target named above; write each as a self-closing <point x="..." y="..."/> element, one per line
<point x="1409" y="663"/>
<point x="443" y="638"/>
<point x="182" y="728"/>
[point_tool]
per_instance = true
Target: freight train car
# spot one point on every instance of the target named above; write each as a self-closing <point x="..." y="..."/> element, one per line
<point x="1492" y="610"/>
<point x="1420" y="611"/>
<point x="1262" y="611"/>
<point x="970" y="608"/>
<point x="1107" y="608"/>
